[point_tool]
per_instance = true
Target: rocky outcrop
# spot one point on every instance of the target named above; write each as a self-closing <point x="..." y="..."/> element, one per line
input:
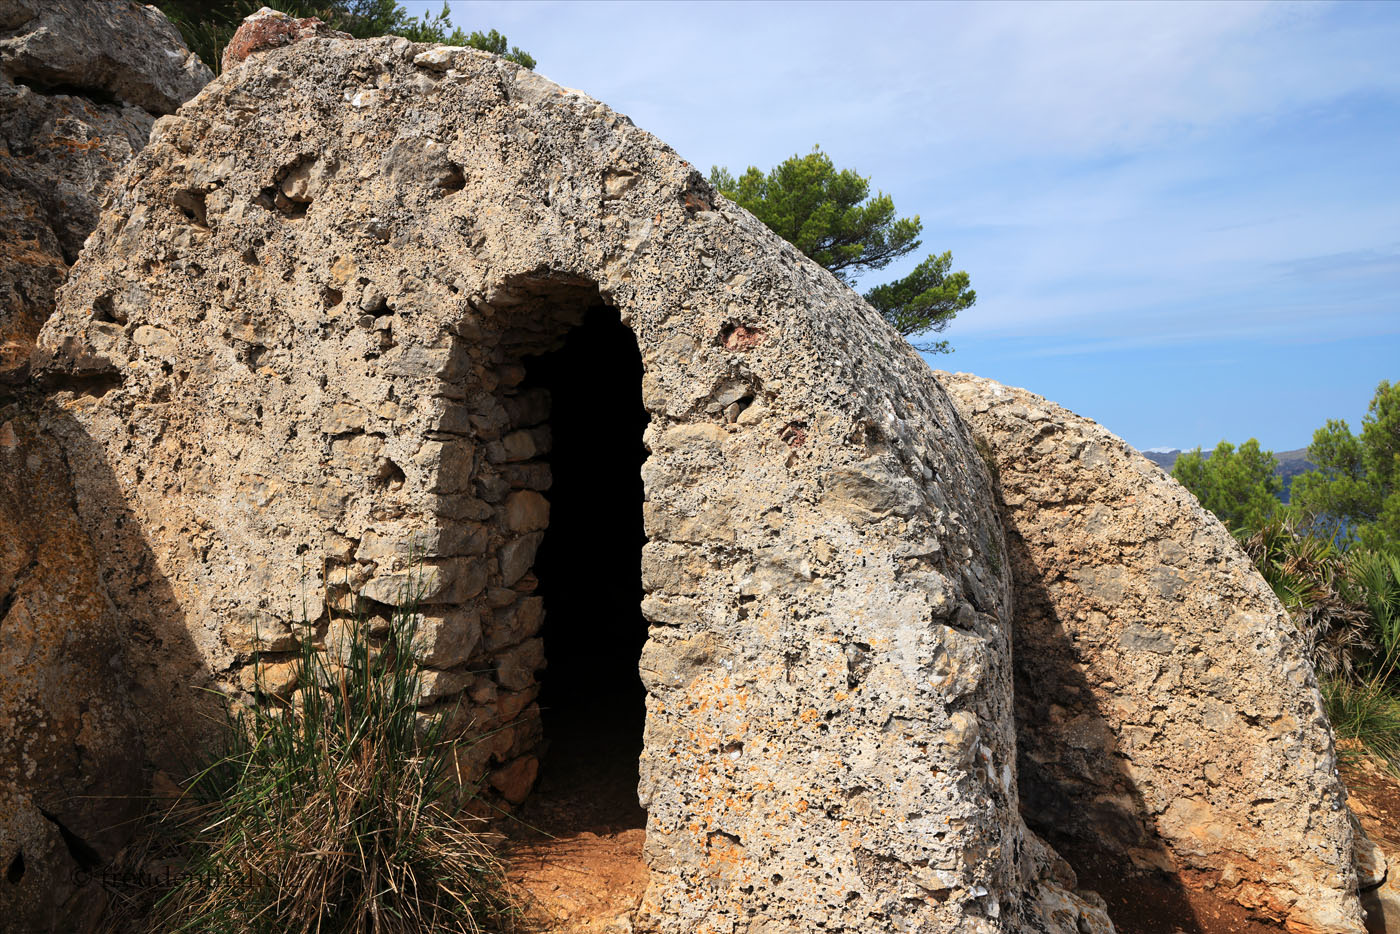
<point x="70" y="755"/>
<point x="81" y="82"/>
<point x="308" y="306"/>
<point x="1165" y="706"/>
<point x="272" y="29"/>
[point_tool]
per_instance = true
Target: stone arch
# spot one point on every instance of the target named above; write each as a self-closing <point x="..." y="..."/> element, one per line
<point x="495" y="480"/>
<point x="314" y="284"/>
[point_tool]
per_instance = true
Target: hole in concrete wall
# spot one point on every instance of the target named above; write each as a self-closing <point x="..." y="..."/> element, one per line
<point x="452" y="178"/>
<point x="192" y="204"/>
<point x="389" y="475"/>
<point x="15" y="872"/>
<point x="588" y="568"/>
<point x="104" y="308"/>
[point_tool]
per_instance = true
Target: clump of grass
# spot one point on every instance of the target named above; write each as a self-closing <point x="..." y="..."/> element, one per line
<point x="337" y="813"/>
<point x="1367" y="712"/>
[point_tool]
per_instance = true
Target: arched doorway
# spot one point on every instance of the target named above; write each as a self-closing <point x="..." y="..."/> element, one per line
<point x="592" y="700"/>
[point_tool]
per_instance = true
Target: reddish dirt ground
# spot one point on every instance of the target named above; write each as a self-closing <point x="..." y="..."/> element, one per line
<point x="575" y="854"/>
<point x="1375" y="799"/>
<point x="1152" y="903"/>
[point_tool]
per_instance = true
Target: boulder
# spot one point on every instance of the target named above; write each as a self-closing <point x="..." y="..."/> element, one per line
<point x="81" y="82"/>
<point x="1166" y="709"/>
<point x="70" y="753"/>
<point x="271" y="29"/>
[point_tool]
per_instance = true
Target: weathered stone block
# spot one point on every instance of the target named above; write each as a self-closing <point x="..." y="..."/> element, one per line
<point x="434" y="685"/>
<point x="447" y="465"/>
<point x="447" y="640"/>
<point x="515" y="780"/>
<point x="516" y="667"/>
<point x="517" y="556"/>
<point x="275" y="679"/>
<point x="526" y="511"/>
<point x="515" y="624"/>
<point x="256" y="630"/>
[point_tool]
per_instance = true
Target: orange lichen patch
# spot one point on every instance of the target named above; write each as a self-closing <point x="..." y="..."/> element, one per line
<point x="71" y="147"/>
<point x="795" y="434"/>
<point x="29" y="252"/>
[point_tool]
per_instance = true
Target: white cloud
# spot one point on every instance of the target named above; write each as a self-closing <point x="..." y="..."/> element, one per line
<point x="1074" y="77"/>
<point x="1100" y="167"/>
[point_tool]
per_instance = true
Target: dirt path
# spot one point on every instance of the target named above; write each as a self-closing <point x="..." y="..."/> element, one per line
<point x="576" y="852"/>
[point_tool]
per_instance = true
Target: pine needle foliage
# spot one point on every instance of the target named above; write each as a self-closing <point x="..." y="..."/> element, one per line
<point x="832" y="217"/>
<point x="1239" y="485"/>
<point x="337" y="813"/>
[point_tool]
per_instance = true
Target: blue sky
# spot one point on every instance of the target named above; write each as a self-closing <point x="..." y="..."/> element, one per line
<point x="1181" y="220"/>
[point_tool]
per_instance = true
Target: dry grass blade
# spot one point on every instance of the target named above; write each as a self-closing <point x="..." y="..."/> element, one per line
<point x="337" y="814"/>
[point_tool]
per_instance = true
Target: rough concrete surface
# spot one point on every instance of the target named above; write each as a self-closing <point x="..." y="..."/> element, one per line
<point x="1165" y="706"/>
<point x="306" y="309"/>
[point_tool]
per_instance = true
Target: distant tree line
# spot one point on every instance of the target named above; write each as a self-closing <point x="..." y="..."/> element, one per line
<point x="1353" y="495"/>
<point x="208" y="25"/>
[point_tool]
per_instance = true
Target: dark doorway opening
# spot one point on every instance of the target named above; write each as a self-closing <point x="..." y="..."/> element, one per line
<point x="589" y="571"/>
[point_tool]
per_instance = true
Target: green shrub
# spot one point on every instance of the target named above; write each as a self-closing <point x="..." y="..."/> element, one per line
<point x="1309" y="574"/>
<point x="208" y="25"/>
<point x="1346" y="604"/>
<point x="1366" y="711"/>
<point x="338" y="812"/>
<point x="1375" y="576"/>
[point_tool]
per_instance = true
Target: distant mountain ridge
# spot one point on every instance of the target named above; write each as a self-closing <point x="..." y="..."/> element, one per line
<point x="1290" y="464"/>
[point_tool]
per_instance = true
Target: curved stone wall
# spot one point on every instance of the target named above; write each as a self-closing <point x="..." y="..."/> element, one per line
<point x="1166" y="709"/>
<point x="301" y="325"/>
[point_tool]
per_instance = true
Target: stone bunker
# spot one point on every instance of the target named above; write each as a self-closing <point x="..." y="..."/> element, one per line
<point x="368" y="318"/>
